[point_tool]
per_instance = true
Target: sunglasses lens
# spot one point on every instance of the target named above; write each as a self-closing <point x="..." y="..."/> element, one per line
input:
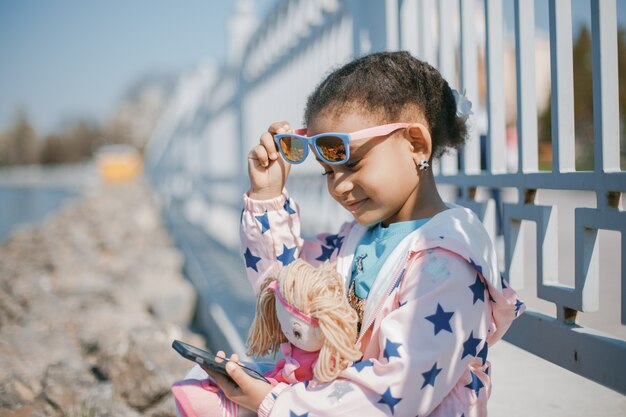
<point x="331" y="148"/>
<point x="293" y="148"/>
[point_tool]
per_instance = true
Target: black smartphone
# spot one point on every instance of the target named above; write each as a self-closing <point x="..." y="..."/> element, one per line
<point x="207" y="359"/>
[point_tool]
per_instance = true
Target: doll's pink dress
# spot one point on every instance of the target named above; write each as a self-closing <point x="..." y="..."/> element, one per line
<point x="297" y="366"/>
<point x="202" y="398"/>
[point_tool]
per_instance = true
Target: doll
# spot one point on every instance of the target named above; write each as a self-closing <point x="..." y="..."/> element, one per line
<point x="304" y="312"/>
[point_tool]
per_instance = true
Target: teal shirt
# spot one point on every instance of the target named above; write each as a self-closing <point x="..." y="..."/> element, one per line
<point x="374" y="249"/>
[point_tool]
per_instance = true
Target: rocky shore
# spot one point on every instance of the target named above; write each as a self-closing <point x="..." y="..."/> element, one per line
<point x="90" y="301"/>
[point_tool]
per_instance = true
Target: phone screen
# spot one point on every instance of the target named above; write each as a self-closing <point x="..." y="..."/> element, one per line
<point x="207" y="359"/>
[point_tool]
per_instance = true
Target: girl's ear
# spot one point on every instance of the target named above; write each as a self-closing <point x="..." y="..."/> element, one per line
<point x="421" y="142"/>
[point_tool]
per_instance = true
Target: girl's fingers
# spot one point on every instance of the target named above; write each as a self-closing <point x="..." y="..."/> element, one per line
<point x="270" y="150"/>
<point x="267" y="141"/>
<point x="260" y="154"/>
<point x="220" y="356"/>
<point x="276" y="126"/>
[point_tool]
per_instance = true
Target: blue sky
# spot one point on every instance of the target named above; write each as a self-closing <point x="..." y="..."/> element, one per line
<point x="64" y="59"/>
<point x="67" y="58"/>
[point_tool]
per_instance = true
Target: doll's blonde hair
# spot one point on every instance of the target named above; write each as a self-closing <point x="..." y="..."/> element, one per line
<point x="320" y="293"/>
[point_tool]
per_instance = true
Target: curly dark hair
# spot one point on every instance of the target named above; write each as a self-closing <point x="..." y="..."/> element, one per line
<point x="391" y="83"/>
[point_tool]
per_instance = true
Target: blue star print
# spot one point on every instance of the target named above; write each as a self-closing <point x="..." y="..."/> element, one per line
<point x="339" y="242"/>
<point x="518" y="304"/>
<point x="287" y="256"/>
<point x="251" y="260"/>
<point x="441" y="319"/>
<point x="391" y="349"/>
<point x="265" y="223"/>
<point x="331" y="240"/>
<point x="476" y="383"/>
<point x="292" y="414"/>
<point x="326" y="254"/>
<point x="478" y="289"/>
<point x="429" y="376"/>
<point x="334" y="241"/>
<point x="470" y="345"/>
<point x="359" y="366"/>
<point x="389" y="399"/>
<point x="476" y="266"/>
<point x="288" y="208"/>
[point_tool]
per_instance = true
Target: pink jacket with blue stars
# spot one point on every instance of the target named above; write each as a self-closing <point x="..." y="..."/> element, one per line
<point x="436" y="306"/>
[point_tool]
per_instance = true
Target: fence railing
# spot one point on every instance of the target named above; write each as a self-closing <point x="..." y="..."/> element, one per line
<point x="198" y="153"/>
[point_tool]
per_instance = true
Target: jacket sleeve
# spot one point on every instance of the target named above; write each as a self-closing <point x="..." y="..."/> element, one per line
<point x="270" y="238"/>
<point x="427" y="342"/>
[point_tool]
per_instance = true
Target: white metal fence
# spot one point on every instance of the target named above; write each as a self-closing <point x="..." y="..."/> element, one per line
<point x="198" y="154"/>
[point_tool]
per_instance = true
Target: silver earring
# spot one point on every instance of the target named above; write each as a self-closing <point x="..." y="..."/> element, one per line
<point x="423" y="165"/>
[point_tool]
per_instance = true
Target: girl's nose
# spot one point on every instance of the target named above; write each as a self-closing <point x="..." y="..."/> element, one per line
<point x="341" y="184"/>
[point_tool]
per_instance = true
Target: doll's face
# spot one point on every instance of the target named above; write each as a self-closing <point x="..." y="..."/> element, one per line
<point x="298" y="330"/>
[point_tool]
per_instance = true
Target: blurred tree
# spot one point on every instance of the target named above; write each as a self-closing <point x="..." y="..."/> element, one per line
<point x="583" y="100"/>
<point x="19" y="144"/>
<point x="583" y="104"/>
<point x="4" y="143"/>
<point x="76" y="144"/>
<point x="132" y="123"/>
<point x="52" y="151"/>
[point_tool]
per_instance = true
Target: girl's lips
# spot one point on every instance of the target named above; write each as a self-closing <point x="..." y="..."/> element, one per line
<point x="354" y="205"/>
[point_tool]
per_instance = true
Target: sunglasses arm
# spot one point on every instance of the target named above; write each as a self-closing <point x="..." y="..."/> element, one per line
<point x="376" y="131"/>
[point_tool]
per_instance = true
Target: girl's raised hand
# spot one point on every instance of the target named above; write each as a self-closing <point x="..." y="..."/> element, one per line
<point x="267" y="169"/>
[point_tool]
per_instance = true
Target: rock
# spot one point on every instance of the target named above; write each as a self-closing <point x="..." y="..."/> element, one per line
<point x="138" y="366"/>
<point x="166" y="408"/>
<point x="64" y="385"/>
<point x="90" y="301"/>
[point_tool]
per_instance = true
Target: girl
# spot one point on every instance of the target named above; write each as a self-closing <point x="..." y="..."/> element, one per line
<point x="422" y="274"/>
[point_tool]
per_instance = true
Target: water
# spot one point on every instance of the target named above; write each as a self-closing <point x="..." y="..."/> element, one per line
<point x="28" y="205"/>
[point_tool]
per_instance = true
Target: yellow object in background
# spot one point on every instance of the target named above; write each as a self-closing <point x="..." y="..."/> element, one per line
<point x="118" y="163"/>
